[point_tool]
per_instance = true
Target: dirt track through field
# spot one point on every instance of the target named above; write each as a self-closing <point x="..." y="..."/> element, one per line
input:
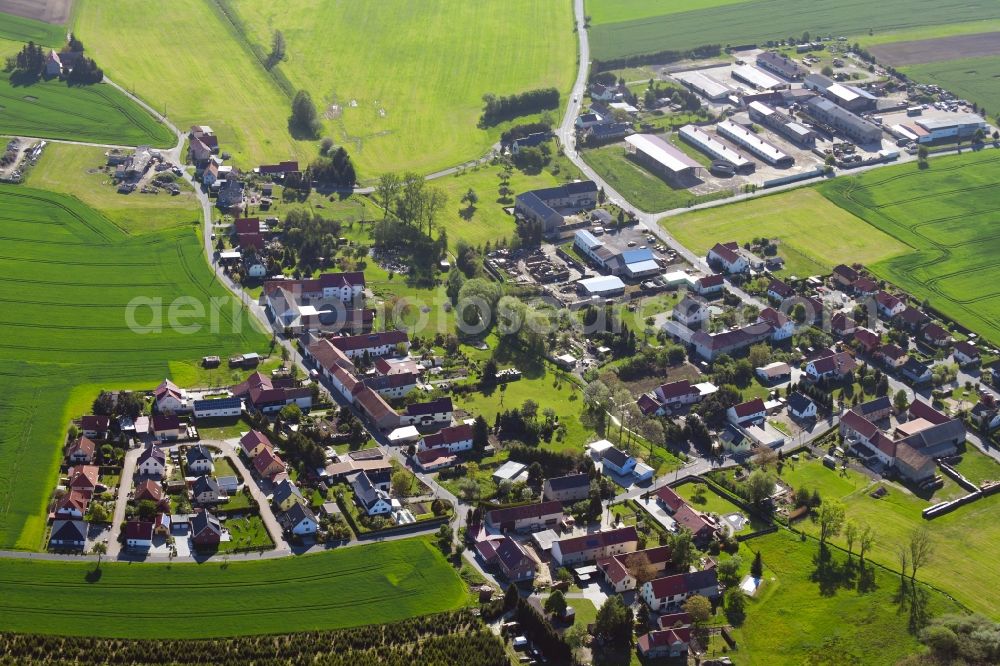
<point x="50" y="11"/>
<point x="936" y="50"/>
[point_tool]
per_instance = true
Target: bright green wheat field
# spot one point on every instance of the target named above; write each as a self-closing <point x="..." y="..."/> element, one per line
<point x="948" y="214"/>
<point x="373" y="584"/>
<point x="635" y="32"/>
<point x="69" y="275"/>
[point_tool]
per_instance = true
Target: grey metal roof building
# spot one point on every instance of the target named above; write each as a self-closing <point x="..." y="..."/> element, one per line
<point x="855" y="128"/>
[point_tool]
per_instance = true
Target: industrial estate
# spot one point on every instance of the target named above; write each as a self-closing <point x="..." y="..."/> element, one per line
<point x="570" y="332"/>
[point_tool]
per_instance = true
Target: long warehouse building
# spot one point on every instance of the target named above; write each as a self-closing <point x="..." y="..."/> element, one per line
<point x="855" y="128"/>
<point x="743" y="137"/>
<point x="714" y="148"/>
<point x="661" y="158"/>
<point x="757" y="78"/>
<point x="705" y="86"/>
<point x="781" y="123"/>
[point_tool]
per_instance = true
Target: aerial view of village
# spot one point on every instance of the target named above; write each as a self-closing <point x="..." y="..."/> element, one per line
<point x="501" y="332"/>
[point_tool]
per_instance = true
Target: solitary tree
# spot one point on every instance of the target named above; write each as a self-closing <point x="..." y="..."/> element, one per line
<point x="277" y="53"/>
<point x="921" y="549"/>
<point x="641" y="569"/>
<point x="851" y="531"/>
<point x="759" y="486"/>
<point x="699" y="608"/>
<point x="757" y="567"/>
<point x="100" y="549"/>
<point x="556" y="604"/>
<point x="831" y="520"/>
<point x="900" y="401"/>
<point x="866" y="540"/>
<point x="305" y="119"/>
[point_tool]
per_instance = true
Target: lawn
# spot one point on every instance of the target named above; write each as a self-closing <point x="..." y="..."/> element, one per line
<point x="489" y="222"/>
<point x="369" y="584"/>
<point x="77" y="171"/>
<point x="181" y="58"/>
<point x="974" y="79"/>
<point x="977" y="467"/>
<point x="410" y="76"/>
<point x="791" y="218"/>
<point x="946" y="212"/>
<point x="96" y="113"/>
<point x="70" y="276"/>
<point x="246" y="533"/>
<point x="713" y="502"/>
<point x="639" y="186"/>
<point x="962" y="561"/>
<point x="793" y="621"/>
<point x="20" y="29"/>
<point x="642" y="30"/>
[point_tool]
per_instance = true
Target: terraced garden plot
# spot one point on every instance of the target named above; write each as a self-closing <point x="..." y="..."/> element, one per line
<point x="369" y="584"/>
<point x="956" y="272"/>
<point x="69" y="277"/>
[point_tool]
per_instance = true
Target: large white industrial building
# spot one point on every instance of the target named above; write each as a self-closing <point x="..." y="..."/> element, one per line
<point x="743" y="137"/>
<point x="711" y="146"/>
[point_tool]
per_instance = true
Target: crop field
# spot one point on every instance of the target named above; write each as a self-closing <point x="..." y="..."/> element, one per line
<point x="762" y="20"/>
<point x="27" y="29"/>
<point x="947" y="213"/>
<point x="639" y="186"/>
<point x="935" y="50"/>
<point x="69" y="277"/>
<point x="618" y="11"/>
<point x="406" y="91"/>
<point x="794" y="219"/>
<point x="974" y="79"/>
<point x="369" y="584"/>
<point x="795" y="619"/>
<point x="962" y="561"/>
<point x="96" y="113"/>
<point x="74" y="170"/>
<point x="181" y="59"/>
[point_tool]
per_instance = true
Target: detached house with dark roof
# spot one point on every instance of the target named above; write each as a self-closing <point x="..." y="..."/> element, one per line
<point x="966" y="354"/>
<point x="199" y="460"/>
<point x="94" y="426"/>
<point x="68" y="535"/>
<point x="425" y="414"/>
<point x="526" y="517"/>
<point x="569" y="488"/>
<point x="206" y="490"/>
<point x="515" y="563"/>
<point x="152" y="461"/>
<point x="206" y="531"/>
<point x="373" y="500"/>
<point x="298" y="520"/>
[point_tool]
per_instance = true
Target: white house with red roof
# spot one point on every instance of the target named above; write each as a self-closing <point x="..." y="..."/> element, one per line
<point x="81" y="450"/>
<point x="671" y="591"/>
<point x="253" y="443"/>
<point x="95" y="426"/>
<point x="778" y="291"/>
<point x="745" y="413"/>
<point x="709" y="284"/>
<point x="676" y="394"/>
<point x="383" y="343"/>
<point x="454" y="438"/>
<point x="728" y="257"/>
<point x="664" y="643"/>
<point x="593" y="546"/>
<point x="831" y="366"/>
<point x="782" y="327"/>
<point x="888" y="305"/>
<point x="171" y="399"/>
<point x="431" y="460"/>
<point x="966" y="354"/>
<point x="618" y="569"/>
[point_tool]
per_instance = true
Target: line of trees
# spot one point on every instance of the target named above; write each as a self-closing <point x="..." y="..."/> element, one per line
<point x="498" y="109"/>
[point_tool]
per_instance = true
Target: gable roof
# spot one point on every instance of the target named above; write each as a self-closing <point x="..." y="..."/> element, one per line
<point x="372" y="403"/>
<point x="533" y="510"/>
<point x="617" y="457"/>
<point x="84" y="476"/>
<point x="369" y="340"/>
<point x="365" y="491"/>
<point x="148" y="489"/>
<point x="511" y="554"/>
<point x="749" y="408"/>
<point x="328" y="355"/>
<point x="152" y="452"/>
<point x="74" y="500"/>
<point x="198" y="452"/>
<point x="781" y="289"/>
<point x="921" y="410"/>
<point x="693" y="520"/>
<point x="252" y="439"/>
<point x="205" y="484"/>
<point x="872" y="406"/>
<point x="676" y="389"/>
<point x="433" y="407"/>
<point x="163" y="422"/>
<point x="295" y="514"/>
<point x="683" y="583"/>
<point x="935" y="332"/>
<point x="284" y="490"/>
<point x="846" y="272"/>
<point x="83" y="445"/>
<point x="265" y="459"/>
<point x="597" y="540"/>
<point x="773" y="317"/>
<point x="728" y="252"/>
<point x="68" y="530"/>
<point x="139" y="529"/>
<point x="203" y="521"/>
<point x="969" y="350"/>
<point x="670" y="498"/>
<point x="798" y="402"/>
<point x="568" y="482"/>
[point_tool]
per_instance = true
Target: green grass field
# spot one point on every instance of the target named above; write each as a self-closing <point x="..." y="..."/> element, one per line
<point x="978" y="467"/>
<point x="75" y="170"/>
<point x="370" y="584"/>
<point x="409" y="77"/>
<point x="961" y="565"/>
<point x="639" y="186"/>
<point x="619" y="11"/>
<point x="946" y="212"/>
<point x="489" y="222"/>
<point x="974" y="79"/>
<point x="927" y="32"/>
<point x="409" y="97"/>
<point x="200" y="75"/>
<point x="69" y="275"/>
<point x="792" y="621"/>
<point x="638" y="29"/>
<point x="792" y="218"/>
<point x="96" y="113"/>
<point x="20" y="29"/>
